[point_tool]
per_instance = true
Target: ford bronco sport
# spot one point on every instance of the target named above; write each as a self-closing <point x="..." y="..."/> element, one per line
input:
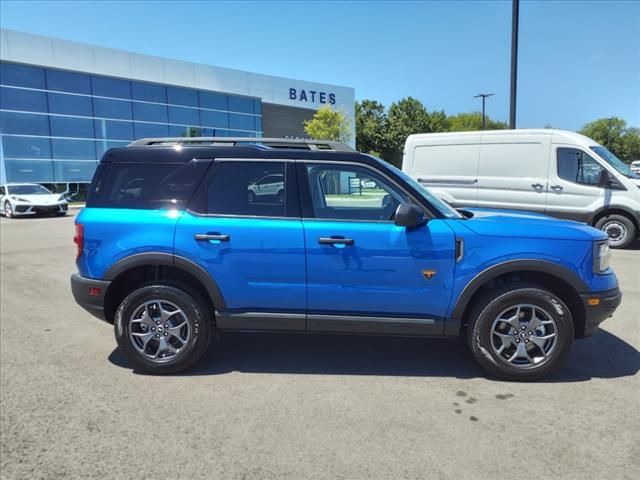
<point x="183" y="236"/>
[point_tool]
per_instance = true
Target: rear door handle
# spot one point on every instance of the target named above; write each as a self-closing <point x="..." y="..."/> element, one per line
<point x="557" y="188"/>
<point x="335" y="241"/>
<point x="537" y="186"/>
<point x="205" y="237"/>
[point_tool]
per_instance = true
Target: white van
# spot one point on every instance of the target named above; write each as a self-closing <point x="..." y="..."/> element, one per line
<point x="556" y="172"/>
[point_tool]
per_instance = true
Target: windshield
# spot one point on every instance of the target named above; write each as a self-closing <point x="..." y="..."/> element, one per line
<point x="614" y="161"/>
<point x="444" y="208"/>
<point x="27" y="190"/>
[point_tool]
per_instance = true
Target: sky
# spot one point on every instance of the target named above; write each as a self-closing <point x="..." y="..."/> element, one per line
<point x="578" y="60"/>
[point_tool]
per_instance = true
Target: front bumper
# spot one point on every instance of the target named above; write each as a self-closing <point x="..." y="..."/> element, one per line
<point x="595" y="314"/>
<point x="33" y="209"/>
<point x="89" y="294"/>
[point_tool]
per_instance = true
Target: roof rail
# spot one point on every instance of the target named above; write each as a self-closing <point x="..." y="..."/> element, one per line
<point x="275" y="143"/>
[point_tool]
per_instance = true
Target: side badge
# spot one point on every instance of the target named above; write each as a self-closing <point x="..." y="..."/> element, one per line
<point x="429" y="274"/>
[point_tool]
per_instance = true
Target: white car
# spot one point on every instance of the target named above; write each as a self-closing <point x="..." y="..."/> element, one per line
<point x="635" y="167"/>
<point x="269" y="187"/>
<point x="17" y="199"/>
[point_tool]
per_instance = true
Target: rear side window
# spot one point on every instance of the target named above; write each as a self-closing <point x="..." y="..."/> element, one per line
<point x="248" y="189"/>
<point x="576" y="166"/>
<point x="151" y="186"/>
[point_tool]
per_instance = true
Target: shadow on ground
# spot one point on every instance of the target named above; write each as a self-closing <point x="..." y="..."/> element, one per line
<point x="602" y="356"/>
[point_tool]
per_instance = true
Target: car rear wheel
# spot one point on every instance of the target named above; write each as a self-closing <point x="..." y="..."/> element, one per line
<point x="620" y="229"/>
<point x="163" y="329"/>
<point x="520" y="332"/>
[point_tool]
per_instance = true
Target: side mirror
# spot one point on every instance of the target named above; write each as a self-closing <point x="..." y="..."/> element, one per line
<point x="408" y="215"/>
<point x="603" y="180"/>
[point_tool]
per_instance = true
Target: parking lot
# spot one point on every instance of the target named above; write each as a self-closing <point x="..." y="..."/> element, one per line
<point x="267" y="406"/>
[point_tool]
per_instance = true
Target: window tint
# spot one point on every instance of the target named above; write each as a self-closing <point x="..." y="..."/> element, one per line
<point x="243" y="122"/>
<point x="576" y="166"/>
<point x="26" y="170"/>
<point x="111" y="87"/>
<point x="70" y="104"/>
<point x="18" y="99"/>
<point x="214" y="119"/>
<point x="71" y="127"/>
<point x="21" y="75"/>
<point x="24" y="123"/>
<point x="68" y="82"/>
<point x="182" y="96"/>
<point x="213" y="100"/>
<point x="145" y="130"/>
<point x="106" y="108"/>
<point x="2" y="191"/>
<point x="149" y="112"/>
<point x="148" y="92"/>
<point x="248" y="188"/>
<point x="26" y="147"/>
<point x="151" y="186"/>
<point x="185" y="116"/>
<point x="73" y="149"/>
<point x="114" y="129"/>
<point x="240" y="104"/>
<point x="352" y="193"/>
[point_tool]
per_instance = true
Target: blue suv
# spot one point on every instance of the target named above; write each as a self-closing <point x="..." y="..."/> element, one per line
<point x="183" y="237"/>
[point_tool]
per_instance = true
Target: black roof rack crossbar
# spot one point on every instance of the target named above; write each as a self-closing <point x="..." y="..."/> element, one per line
<point x="246" y="141"/>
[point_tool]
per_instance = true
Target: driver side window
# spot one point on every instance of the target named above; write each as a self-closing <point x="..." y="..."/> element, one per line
<point x="348" y="192"/>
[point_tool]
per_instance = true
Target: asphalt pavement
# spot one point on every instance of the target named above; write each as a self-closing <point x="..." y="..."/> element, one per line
<point x="285" y="406"/>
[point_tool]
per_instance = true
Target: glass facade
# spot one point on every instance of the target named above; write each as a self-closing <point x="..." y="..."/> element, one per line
<point x="55" y="125"/>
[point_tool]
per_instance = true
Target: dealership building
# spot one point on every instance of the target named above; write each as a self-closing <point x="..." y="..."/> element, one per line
<point x="62" y="104"/>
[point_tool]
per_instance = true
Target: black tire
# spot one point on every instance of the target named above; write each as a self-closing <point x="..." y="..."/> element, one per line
<point x="621" y="230"/>
<point x="7" y="209"/>
<point x="251" y="196"/>
<point x="196" y="313"/>
<point x="61" y="214"/>
<point x="501" y="299"/>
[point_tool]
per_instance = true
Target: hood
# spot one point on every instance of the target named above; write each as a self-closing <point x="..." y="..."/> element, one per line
<point x="511" y="223"/>
<point x="39" y="199"/>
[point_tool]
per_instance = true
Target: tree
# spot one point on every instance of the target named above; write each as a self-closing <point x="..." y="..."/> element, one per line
<point x="405" y="117"/>
<point x="371" y="121"/>
<point x="467" y="122"/>
<point x="328" y="124"/>
<point x="614" y="134"/>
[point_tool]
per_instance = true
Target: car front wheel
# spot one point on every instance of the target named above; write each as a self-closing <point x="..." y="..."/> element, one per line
<point x="163" y="329"/>
<point x="8" y="210"/>
<point x="520" y="332"/>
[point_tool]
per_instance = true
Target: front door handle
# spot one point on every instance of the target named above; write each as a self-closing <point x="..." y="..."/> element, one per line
<point x="335" y="241"/>
<point x="205" y="237"/>
<point x="537" y="186"/>
<point x="556" y="188"/>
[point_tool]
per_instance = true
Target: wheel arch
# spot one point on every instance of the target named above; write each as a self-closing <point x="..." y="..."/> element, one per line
<point x="616" y="210"/>
<point x="143" y="268"/>
<point x="559" y="280"/>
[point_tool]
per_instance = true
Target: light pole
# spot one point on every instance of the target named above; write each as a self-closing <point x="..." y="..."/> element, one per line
<point x="514" y="62"/>
<point x="484" y="97"/>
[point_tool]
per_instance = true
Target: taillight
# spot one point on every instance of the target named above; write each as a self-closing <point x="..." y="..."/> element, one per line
<point x="78" y="239"/>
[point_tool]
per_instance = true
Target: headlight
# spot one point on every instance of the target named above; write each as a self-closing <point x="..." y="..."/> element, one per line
<point x="62" y="198"/>
<point x="18" y="199"/>
<point x="601" y="256"/>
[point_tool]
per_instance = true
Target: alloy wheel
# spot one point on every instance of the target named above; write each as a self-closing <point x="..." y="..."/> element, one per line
<point x="524" y="336"/>
<point x="159" y="330"/>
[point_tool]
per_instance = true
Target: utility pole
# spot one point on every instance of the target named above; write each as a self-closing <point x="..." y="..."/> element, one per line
<point x="484" y="97"/>
<point x="514" y="61"/>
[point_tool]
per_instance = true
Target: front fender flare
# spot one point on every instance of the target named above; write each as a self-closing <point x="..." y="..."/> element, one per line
<point x="513" y="266"/>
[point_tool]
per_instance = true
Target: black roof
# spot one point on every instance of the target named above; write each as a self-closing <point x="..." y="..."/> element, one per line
<point x="186" y="153"/>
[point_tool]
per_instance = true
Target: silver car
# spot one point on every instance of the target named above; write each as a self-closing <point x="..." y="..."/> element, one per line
<point x="18" y="199"/>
